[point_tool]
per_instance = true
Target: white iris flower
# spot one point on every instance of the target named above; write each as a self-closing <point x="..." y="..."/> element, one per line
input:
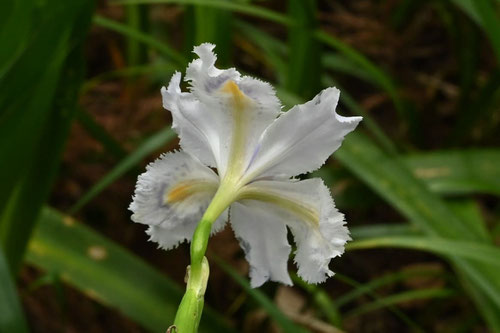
<point x="234" y="124"/>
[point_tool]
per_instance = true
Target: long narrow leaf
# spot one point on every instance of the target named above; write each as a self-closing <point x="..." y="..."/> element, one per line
<point x="140" y="36"/>
<point x="406" y="296"/>
<point x="487" y="254"/>
<point x="394" y="182"/>
<point x="38" y="114"/>
<point x="379" y="76"/>
<point x="458" y="171"/>
<point x="11" y="314"/>
<point x="261" y="299"/>
<point x="150" y="145"/>
<point x="109" y="273"/>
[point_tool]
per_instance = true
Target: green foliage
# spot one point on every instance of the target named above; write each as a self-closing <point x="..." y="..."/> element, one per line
<point x="41" y="74"/>
<point x="262" y="299"/>
<point x="108" y="273"/>
<point x="42" y="80"/>
<point x="149" y="146"/>
<point x="11" y="315"/>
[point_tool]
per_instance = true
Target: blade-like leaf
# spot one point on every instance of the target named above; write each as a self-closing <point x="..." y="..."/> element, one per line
<point x="109" y="273"/>
<point x="261" y="299"/>
<point x="304" y="60"/>
<point x="378" y="75"/>
<point x="394" y="182"/>
<point x="11" y="314"/>
<point x="150" y="145"/>
<point x="141" y="37"/>
<point x="385" y="280"/>
<point x="38" y="100"/>
<point x="487" y="254"/>
<point x="403" y="297"/>
<point x="458" y="171"/>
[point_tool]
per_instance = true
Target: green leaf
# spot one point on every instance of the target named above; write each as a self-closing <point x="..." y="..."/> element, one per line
<point x="11" y="314"/>
<point x="487" y="254"/>
<point x="322" y="300"/>
<point x="394" y="182"/>
<point x="99" y="133"/>
<point x="136" y="17"/>
<point x="15" y="27"/>
<point x="383" y="281"/>
<point x="359" y="286"/>
<point x="108" y="273"/>
<point x="209" y="25"/>
<point x="485" y="14"/>
<point x="403" y="297"/>
<point x="273" y="51"/>
<point x="378" y="75"/>
<point x="380" y="230"/>
<point x="261" y="299"/>
<point x="222" y="4"/>
<point x="488" y="12"/>
<point x="44" y="84"/>
<point x="155" y="70"/>
<point x="304" y="62"/>
<point x="458" y="171"/>
<point x="130" y="32"/>
<point x="149" y="146"/>
<point x="467" y="6"/>
<point x="470" y="212"/>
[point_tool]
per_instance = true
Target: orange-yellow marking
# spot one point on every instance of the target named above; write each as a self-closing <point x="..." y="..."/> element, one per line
<point x="239" y="97"/>
<point x="187" y="188"/>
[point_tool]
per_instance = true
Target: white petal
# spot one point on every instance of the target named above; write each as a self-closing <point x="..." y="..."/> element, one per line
<point x="301" y="139"/>
<point x="263" y="237"/>
<point x="171" y="197"/>
<point x="224" y="115"/>
<point x="204" y="77"/>
<point x="191" y="124"/>
<point x="168" y="238"/>
<point x="308" y="209"/>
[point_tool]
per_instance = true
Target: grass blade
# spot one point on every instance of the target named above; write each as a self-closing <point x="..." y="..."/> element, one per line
<point x="11" y="314"/>
<point x="403" y="297"/>
<point x="487" y="254"/>
<point x="393" y="181"/>
<point x="221" y="4"/>
<point x="261" y="299"/>
<point x="458" y="171"/>
<point x="99" y="133"/>
<point x="382" y="79"/>
<point x="401" y="315"/>
<point x="304" y="62"/>
<point x="35" y="137"/>
<point x="390" y="179"/>
<point x="209" y="25"/>
<point x="488" y="13"/>
<point x="388" y="279"/>
<point x="381" y="230"/>
<point x="323" y="301"/>
<point x="149" y="146"/>
<point x="108" y="273"/>
<point x="141" y="37"/>
<point x="15" y="28"/>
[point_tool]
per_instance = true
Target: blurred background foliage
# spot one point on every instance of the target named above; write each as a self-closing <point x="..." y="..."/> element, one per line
<point x="80" y="116"/>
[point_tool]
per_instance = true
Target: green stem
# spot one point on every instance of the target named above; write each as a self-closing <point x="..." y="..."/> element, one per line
<point x="190" y="309"/>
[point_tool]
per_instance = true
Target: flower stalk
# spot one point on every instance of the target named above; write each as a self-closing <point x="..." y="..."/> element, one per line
<point x="190" y="309"/>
